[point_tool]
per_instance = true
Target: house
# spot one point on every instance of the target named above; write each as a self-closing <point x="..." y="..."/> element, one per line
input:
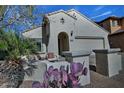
<point x="116" y="39"/>
<point x="69" y="31"/>
<point x="115" y="26"/>
<point x="35" y="34"/>
<point x="112" y="24"/>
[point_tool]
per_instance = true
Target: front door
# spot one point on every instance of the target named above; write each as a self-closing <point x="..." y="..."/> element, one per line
<point x="63" y="42"/>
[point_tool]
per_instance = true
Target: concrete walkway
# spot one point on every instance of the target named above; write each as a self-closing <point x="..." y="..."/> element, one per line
<point x="100" y="81"/>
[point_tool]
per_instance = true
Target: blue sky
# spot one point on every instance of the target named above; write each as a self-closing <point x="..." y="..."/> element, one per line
<point x="94" y="12"/>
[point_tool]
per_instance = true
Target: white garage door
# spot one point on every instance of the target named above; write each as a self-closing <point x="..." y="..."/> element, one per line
<point x="90" y="44"/>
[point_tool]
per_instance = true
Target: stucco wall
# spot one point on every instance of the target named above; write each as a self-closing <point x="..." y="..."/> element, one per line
<point x="108" y="64"/>
<point x="114" y="64"/>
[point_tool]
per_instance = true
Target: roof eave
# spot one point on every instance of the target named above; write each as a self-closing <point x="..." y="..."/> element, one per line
<point x="49" y="14"/>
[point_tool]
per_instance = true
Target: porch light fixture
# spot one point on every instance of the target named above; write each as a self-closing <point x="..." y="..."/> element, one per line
<point x="71" y="33"/>
<point x="62" y="20"/>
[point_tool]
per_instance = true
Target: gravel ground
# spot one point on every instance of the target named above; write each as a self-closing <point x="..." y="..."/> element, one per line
<point x="26" y="84"/>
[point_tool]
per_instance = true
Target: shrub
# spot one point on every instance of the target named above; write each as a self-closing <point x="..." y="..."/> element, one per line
<point x="15" y="47"/>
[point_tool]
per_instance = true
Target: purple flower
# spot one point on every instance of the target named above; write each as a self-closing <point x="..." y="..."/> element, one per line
<point x="76" y="68"/>
<point x="50" y="70"/>
<point x="85" y="71"/>
<point x="74" y="80"/>
<point x="64" y="77"/>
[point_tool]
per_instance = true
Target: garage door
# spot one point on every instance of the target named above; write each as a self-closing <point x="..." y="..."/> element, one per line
<point x="90" y="44"/>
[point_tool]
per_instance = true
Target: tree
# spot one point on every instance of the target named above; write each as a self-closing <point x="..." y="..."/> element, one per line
<point x="12" y="70"/>
<point x="12" y="46"/>
<point x="13" y="16"/>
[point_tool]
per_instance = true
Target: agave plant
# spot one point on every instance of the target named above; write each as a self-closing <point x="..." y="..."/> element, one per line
<point x="57" y="78"/>
<point x="15" y="66"/>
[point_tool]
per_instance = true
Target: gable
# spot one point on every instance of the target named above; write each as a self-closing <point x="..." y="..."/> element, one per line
<point x="60" y="12"/>
<point x="86" y="21"/>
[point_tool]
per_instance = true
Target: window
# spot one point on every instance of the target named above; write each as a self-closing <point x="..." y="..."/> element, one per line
<point x="114" y="23"/>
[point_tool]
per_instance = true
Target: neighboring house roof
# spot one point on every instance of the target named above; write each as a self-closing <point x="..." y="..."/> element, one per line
<point x="87" y="19"/>
<point x="111" y="17"/>
<point x="31" y="29"/>
<point x="33" y="33"/>
<point x="117" y="32"/>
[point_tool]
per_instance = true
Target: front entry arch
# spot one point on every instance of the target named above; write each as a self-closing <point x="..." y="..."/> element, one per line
<point x="63" y="42"/>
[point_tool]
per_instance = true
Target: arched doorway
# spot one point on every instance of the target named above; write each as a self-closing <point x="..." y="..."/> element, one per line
<point x="63" y="42"/>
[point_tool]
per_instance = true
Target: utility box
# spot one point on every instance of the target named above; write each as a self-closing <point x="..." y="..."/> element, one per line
<point x="108" y="62"/>
<point x="80" y="57"/>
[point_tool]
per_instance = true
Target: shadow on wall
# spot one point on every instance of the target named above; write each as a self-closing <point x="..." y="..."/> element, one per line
<point x="93" y="68"/>
<point x="122" y="60"/>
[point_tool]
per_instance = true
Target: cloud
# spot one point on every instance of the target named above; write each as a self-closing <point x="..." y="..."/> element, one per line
<point x="103" y="14"/>
<point x="99" y="8"/>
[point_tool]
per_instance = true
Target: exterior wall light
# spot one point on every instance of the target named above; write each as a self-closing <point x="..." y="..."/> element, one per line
<point x="62" y="20"/>
<point x="71" y="33"/>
